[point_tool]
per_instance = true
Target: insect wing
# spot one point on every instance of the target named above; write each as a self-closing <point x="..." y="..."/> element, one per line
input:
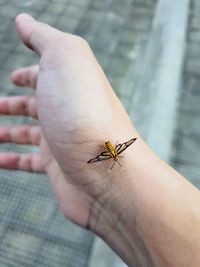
<point x="121" y="147"/>
<point x="103" y="156"/>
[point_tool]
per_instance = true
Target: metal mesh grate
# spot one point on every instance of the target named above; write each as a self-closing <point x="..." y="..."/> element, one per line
<point x="186" y="147"/>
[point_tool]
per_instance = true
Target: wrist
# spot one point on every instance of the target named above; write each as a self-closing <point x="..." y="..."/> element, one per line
<point x="113" y="214"/>
<point x="146" y="214"/>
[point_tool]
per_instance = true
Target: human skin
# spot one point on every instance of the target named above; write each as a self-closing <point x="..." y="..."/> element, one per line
<point x="147" y="212"/>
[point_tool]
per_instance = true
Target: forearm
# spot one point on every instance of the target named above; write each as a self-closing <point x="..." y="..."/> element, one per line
<point x="150" y="215"/>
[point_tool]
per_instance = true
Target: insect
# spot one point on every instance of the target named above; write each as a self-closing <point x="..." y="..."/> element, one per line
<point x="112" y="152"/>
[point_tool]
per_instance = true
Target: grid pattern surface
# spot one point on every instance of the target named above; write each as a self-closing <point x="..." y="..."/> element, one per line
<point x="32" y="230"/>
<point x="186" y="156"/>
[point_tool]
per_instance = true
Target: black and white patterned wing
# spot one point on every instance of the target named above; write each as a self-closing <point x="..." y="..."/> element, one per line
<point x="103" y="156"/>
<point x="121" y="147"/>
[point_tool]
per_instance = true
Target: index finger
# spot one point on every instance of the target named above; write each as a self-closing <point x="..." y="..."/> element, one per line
<point x="26" y="76"/>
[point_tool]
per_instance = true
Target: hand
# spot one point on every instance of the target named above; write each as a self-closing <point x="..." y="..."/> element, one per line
<point x="77" y="112"/>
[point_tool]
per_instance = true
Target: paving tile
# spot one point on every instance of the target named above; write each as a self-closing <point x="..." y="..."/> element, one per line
<point x="67" y="25"/>
<point x="83" y="3"/>
<point x="101" y="4"/>
<point x="17" y="61"/>
<point x="8" y="11"/>
<point x="17" y="246"/>
<point x="193" y="49"/>
<point x="194" y="37"/>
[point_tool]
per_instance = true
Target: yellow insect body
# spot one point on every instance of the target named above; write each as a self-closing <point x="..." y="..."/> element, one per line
<point x="111" y="149"/>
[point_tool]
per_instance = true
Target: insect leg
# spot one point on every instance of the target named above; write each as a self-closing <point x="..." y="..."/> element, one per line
<point x="112" y="166"/>
<point x="119" y="164"/>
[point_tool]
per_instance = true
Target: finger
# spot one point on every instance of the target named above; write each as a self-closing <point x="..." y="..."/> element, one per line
<point x="18" y="105"/>
<point x="26" y="76"/>
<point x="36" y="35"/>
<point x="25" y="134"/>
<point x="25" y="162"/>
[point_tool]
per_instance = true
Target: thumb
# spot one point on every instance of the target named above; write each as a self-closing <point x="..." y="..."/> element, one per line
<point x="36" y="35"/>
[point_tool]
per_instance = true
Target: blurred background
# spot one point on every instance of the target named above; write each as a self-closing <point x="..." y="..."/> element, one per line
<point x="150" y="51"/>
